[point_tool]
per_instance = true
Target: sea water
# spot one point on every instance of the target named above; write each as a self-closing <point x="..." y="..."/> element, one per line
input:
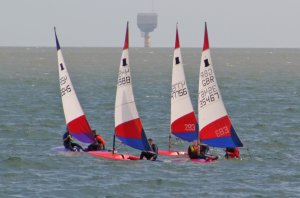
<point x="260" y="89"/>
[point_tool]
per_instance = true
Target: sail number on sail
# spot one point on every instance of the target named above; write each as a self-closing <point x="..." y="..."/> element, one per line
<point x="189" y="127"/>
<point x="210" y="92"/>
<point x="224" y="131"/>
<point x="66" y="89"/>
<point x="124" y="77"/>
<point x="179" y="89"/>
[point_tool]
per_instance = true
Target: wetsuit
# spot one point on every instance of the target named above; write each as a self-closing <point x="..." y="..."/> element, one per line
<point x="68" y="144"/>
<point x="150" y="155"/>
<point x="195" y="152"/>
<point x="98" y="145"/>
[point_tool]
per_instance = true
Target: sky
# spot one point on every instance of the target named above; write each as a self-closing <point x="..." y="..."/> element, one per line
<point x="102" y="23"/>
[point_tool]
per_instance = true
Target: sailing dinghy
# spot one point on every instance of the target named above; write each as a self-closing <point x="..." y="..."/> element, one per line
<point x="183" y="119"/>
<point x="128" y="126"/>
<point x="215" y="127"/>
<point x="75" y="118"/>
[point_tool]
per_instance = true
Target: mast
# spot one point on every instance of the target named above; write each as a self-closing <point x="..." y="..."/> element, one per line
<point x="114" y="144"/>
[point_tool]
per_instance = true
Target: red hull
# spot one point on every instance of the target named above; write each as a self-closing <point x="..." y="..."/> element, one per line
<point x="203" y="160"/>
<point x="171" y="153"/>
<point x="113" y="156"/>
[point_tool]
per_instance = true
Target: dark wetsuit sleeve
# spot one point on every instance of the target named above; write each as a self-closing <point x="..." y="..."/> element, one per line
<point x="64" y="136"/>
<point x="154" y="148"/>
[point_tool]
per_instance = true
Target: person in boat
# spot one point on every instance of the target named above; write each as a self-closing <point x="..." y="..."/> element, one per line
<point x="199" y="151"/>
<point x="150" y="155"/>
<point x="232" y="153"/>
<point x="195" y="151"/>
<point x="69" y="144"/>
<point x="98" y="144"/>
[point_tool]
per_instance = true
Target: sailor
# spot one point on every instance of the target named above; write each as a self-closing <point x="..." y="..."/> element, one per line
<point x="194" y="151"/>
<point x="98" y="144"/>
<point x="232" y="153"/>
<point x="199" y="151"/>
<point x="150" y="155"/>
<point x="69" y="144"/>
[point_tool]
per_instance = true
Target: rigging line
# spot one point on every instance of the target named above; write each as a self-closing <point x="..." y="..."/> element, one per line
<point x="120" y="144"/>
<point x="249" y="153"/>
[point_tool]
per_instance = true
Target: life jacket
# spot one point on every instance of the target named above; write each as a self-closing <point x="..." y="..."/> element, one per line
<point x="193" y="151"/>
<point x="234" y="154"/>
<point x="100" y="140"/>
<point x="194" y="148"/>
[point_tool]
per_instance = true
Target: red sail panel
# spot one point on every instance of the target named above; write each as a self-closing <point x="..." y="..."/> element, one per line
<point x="132" y="134"/>
<point x="132" y="126"/>
<point x="126" y="43"/>
<point x="206" y="41"/>
<point x="217" y="129"/>
<point x="186" y="127"/>
<point x="81" y="129"/>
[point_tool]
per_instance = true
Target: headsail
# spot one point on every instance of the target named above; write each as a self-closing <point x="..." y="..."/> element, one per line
<point x="214" y="123"/>
<point x="75" y="118"/>
<point x="128" y="126"/>
<point x="183" y="119"/>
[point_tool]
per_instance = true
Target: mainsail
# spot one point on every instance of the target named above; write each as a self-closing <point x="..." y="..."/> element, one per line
<point x="183" y="119"/>
<point x="76" y="120"/>
<point x="128" y="126"/>
<point x="214" y="123"/>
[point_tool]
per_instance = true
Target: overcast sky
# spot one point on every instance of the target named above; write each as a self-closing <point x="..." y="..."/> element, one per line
<point x="101" y="23"/>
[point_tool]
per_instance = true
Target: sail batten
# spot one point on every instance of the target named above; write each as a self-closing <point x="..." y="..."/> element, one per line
<point x="215" y="127"/>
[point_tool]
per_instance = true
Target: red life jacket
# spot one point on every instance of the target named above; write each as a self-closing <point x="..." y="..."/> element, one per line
<point x="234" y="154"/>
<point x="100" y="140"/>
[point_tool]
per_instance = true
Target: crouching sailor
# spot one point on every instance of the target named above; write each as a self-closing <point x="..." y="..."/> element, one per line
<point x="150" y="155"/>
<point x="199" y="151"/>
<point x="232" y="153"/>
<point x="69" y="144"/>
<point x="98" y="144"/>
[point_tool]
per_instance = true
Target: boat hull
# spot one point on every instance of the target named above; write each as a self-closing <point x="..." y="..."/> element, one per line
<point x="113" y="156"/>
<point x="171" y="153"/>
<point x="201" y="161"/>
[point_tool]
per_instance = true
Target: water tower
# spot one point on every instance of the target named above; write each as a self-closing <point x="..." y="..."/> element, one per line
<point x="147" y="22"/>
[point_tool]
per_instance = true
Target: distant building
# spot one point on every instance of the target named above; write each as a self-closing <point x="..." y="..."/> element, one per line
<point x="147" y="22"/>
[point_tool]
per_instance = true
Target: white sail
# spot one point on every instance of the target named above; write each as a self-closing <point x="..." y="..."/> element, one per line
<point x="183" y="119"/>
<point x="75" y="118"/>
<point x="214" y="123"/>
<point x="128" y="126"/>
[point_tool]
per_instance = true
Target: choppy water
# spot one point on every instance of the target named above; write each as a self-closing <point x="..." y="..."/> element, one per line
<point x="260" y="88"/>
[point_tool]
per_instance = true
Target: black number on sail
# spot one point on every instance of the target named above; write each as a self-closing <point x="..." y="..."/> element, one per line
<point x="61" y="66"/>
<point x="124" y="61"/>
<point x="206" y="63"/>
<point x="177" y="60"/>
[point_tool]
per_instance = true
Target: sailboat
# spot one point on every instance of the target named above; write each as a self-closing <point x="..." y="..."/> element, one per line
<point x="128" y="126"/>
<point x="76" y="121"/>
<point x="215" y="127"/>
<point x="183" y="119"/>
